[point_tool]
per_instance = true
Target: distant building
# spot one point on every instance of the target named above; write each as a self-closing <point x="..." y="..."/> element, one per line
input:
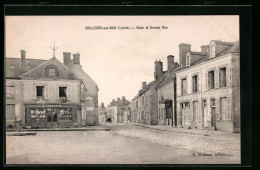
<point x="208" y="87"/>
<point x="102" y="114"/>
<point x="115" y="111"/>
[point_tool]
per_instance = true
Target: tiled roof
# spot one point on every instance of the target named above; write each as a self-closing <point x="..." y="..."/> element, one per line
<point x="13" y="66"/>
<point x="223" y="42"/>
<point x="168" y="77"/>
<point x="234" y="48"/>
<point x="39" y="71"/>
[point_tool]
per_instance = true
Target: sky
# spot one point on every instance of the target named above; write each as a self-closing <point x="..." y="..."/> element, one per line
<point x="118" y="60"/>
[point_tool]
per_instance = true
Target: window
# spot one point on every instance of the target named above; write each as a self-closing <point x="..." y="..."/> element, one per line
<point x="195" y="84"/>
<point x="188" y="61"/>
<point x="65" y="115"/>
<point x="186" y="104"/>
<point x="52" y="72"/>
<point x="10" y="111"/>
<point x="10" y="91"/>
<point x="204" y="103"/>
<point x="212" y="102"/>
<point x="62" y="91"/>
<point x="40" y="91"/>
<point x="222" y="77"/>
<point x="195" y="110"/>
<point x="211" y="80"/>
<point x="38" y="115"/>
<point x="224" y="115"/>
<point x="183" y="86"/>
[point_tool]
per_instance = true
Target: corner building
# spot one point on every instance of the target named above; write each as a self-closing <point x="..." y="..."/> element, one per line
<point x="208" y="87"/>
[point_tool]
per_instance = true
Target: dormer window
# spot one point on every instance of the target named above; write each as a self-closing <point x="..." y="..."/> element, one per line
<point x="188" y="60"/>
<point x="51" y="71"/>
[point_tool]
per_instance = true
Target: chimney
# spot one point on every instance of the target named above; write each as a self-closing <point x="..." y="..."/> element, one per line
<point x="204" y="48"/>
<point x="76" y="58"/>
<point x="143" y="84"/>
<point x="23" y="59"/>
<point x="113" y="101"/>
<point x="170" y="62"/>
<point x="158" y="70"/>
<point x="102" y="104"/>
<point x="66" y="58"/>
<point x="123" y="99"/>
<point x="183" y="49"/>
<point x="118" y="99"/>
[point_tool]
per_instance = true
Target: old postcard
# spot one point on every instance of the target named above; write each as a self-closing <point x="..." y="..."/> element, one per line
<point x="122" y="89"/>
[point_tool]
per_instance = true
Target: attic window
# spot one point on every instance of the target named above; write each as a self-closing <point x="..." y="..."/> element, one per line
<point x="52" y="72"/>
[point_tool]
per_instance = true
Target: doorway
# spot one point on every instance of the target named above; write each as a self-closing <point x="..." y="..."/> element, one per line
<point x="52" y="117"/>
<point x="213" y="113"/>
<point x="204" y="111"/>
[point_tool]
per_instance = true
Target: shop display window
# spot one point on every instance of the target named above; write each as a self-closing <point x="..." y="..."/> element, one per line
<point x="38" y="115"/>
<point x="65" y="115"/>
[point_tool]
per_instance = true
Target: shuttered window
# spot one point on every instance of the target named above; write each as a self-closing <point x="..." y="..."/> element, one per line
<point x="211" y="82"/>
<point x="10" y="111"/>
<point x="184" y="86"/>
<point x="10" y="92"/>
<point x="195" y="84"/>
<point x="222" y="77"/>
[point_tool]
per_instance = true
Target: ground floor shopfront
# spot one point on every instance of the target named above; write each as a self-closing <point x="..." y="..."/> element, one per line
<point x="52" y="116"/>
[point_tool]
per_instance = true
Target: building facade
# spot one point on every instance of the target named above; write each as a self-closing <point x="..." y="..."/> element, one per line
<point x="39" y="93"/>
<point x="166" y="92"/>
<point x="102" y="114"/>
<point x="115" y="110"/>
<point x="208" y="87"/>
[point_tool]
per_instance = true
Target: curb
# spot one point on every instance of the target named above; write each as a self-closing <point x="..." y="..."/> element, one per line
<point x="21" y="134"/>
<point x="171" y="130"/>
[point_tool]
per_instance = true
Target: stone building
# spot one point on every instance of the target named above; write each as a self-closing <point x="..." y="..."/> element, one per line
<point x="115" y="111"/>
<point x="126" y="113"/>
<point x="208" y="87"/>
<point x="145" y="104"/>
<point x="166" y="93"/>
<point x="90" y="94"/>
<point x="39" y="92"/>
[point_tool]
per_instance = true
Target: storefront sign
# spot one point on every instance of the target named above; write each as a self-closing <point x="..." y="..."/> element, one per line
<point x="51" y="105"/>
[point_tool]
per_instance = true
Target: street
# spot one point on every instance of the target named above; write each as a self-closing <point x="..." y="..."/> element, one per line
<point x="123" y="144"/>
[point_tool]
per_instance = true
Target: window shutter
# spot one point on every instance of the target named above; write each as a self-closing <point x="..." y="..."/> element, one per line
<point x="216" y="74"/>
<point x="56" y="92"/>
<point x="228" y="79"/>
<point x="33" y="92"/>
<point x="46" y="92"/>
<point x="217" y="111"/>
<point x="206" y="81"/>
<point x="228" y="109"/>
<point x="198" y="83"/>
<point x="69" y="93"/>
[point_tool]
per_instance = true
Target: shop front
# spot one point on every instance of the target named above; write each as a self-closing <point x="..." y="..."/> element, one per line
<point x="51" y="115"/>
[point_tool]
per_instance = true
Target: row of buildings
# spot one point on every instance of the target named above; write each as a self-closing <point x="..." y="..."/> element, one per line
<point x="48" y="93"/>
<point x="203" y="91"/>
<point x="118" y="111"/>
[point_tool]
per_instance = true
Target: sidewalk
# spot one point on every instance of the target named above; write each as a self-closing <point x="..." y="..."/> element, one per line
<point x="182" y="130"/>
<point x="87" y="128"/>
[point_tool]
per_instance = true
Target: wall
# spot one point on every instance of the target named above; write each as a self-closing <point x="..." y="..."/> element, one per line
<point x="204" y="94"/>
<point x="235" y="69"/>
<point x="17" y="100"/>
<point x="168" y="94"/>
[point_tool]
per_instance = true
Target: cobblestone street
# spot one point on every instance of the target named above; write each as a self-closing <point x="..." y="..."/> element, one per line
<point x="124" y="144"/>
